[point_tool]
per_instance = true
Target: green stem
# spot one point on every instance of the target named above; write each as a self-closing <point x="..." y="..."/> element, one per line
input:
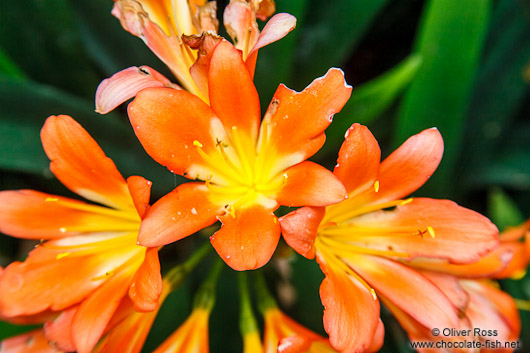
<point x="205" y="297"/>
<point x="265" y="299"/>
<point x="178" y="274"/>
<point x="247" y="320"/>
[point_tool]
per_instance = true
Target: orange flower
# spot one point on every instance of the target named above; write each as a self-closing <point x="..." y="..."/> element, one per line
<point x="31" y="342"/>
<point x="481" y="305"/>
<point x="360" y="241"/>
<point x="183" y="35"/>
<point x="248" y="170"/>
<point x="191" y="336"/>
<point x="129" y="328"/>
<point x="509" y="260"/>
<point x="284" y="335"/>
<point x="90" y="258"/>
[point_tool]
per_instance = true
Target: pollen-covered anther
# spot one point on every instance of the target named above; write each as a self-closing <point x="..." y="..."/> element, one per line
<point x="431" y="232"/>
<point x="197" y="144"/>
<point x="61" y="255"/>
<point x="376" y="186"/>
<point x="51" y="199"/>
<point x="404" y="202"/>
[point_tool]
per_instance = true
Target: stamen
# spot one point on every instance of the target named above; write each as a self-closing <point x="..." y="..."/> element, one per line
<point x="60" y="256"/>
<point x="342" y="212"/>
<point x="197" y="144"/>
<point x="404" y="202"/>
<point x="431" y="232"/>
<point x="81" y="206"/>
<point x="103" y="276"/>
<point x="376" y="186"/>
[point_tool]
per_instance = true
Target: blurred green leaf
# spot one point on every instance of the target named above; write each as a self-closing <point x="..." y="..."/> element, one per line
<point x="9" y="330"/>
<point x="9" y="68"/>
<point x="450" y="41"/>
<point x="330" y="33"/>
<point x="107" y="43"/>
<point x="370" y="100"/>
<point x="42" y="38"/>
<point x="276" y="61"/>
<point x="502" y="210"/>
<point x="26" y="105"/>
<point x="500" y="88"/>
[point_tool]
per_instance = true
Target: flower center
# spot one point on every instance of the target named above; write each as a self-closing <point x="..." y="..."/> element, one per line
<point x="241" y="171"/>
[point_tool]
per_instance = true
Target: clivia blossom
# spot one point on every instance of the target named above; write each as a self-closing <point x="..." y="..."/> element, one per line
<point x="245" y="170"/>
<point x="183" y="34"/>
<point x="88" y="259"/>
<point x="361" y="242"/>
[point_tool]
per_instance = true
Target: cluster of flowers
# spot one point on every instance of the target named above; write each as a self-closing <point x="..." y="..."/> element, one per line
<point x="95" y="279"/>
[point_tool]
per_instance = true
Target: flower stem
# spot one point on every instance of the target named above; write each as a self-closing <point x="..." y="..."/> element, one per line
<point x="205" y="296"/>
<point x="265" y="299"/>
<point x="178" y="274"/>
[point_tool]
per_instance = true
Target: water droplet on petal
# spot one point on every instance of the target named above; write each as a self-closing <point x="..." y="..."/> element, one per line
<point x="227" y="257"/>
<point x="194" y="211"/>
<point x="62" y="229"/>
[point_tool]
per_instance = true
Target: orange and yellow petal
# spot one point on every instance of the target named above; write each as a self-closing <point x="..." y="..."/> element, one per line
<point x="140" y="189"/>
<point x="432" y="308"/>
<point x="94" y="313"/>
<point x="81" y="165"/>
<point x="31" y="342"/>
<point x="182" y="212"/>
<point x="125" y="84"/>
<point x="409" y="166"/>
<point x="300" y="227"/>
<point x="248" y="238"/>
<point x="359" y="159"/>
<point x="309" y="184"/>
<point x="351" y="313"/>
<point x="190" y="337"/>
<point x="146" y="285"/>
<point x="298" y="119"/>
<point x="58" y="330"/>
<point x="168" y="123"/>
<point x="34" y="215"/>
<point x="428" y="228"/>
<point x="233" y="96"/>
<point x="32" y="286"/>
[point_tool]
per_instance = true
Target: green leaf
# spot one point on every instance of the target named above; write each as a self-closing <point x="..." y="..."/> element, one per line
<point x="41" y="37"/>
<point x="107" y="43"/>
<point x="9" y="68"/>
<point x="450" y="41"/>
<point x="277" y="60"/>
<point x="26" y="105"/>
<point x="9" y="330"/>
<point x="370" y="100"/>
<point x="330" y="33"/>
<point x="500" y="89"/>
<point x="502" y="210"/>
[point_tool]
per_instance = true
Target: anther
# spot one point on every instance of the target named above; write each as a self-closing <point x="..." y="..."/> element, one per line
<point x="431" y="232"/>
<point x="197" y="144"/>
<point x="61" y="255"/>
<point x="376" y="186"/>
<point x="404" y="202"/>
<point x="51" y="199"/>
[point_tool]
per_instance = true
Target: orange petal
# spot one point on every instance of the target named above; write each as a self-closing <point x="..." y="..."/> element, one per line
<point x="31" y="287"/>
<point x="147" y="283"/>
<point x="298" y="120"/>
<point x="450" y="286"/>
<point x="459" y="235"/>
<point x="309" y="184"/>
<point x="410" y="166"/>
<point x="199" y="71"/>
<point x="276" y="28"/>
<point x="180" y="213"/>
<point x="95" y="312"/>
<point x="247" y="240"/>
<point x="233" y="96"/>
<point x="124" y="85"/>
<point x="293" y="344"/>
<point x="496" y="264"/>
<point x="359" y="159"/>
<point x="58" y="331"/>
<point x="493" y="309"/>
<point x="299" y="229"/>
<point x="240" y="23"/>
<point x="34" y="215"/>
<point x="351" y="314"/>
<point x="30" y="342"/>
<point x="167" y="122"/>
<point x="379" y="338"/>
<point x="80" y="164"/>
<point x="140" y="189"/>
<point x="408" y="289"/>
